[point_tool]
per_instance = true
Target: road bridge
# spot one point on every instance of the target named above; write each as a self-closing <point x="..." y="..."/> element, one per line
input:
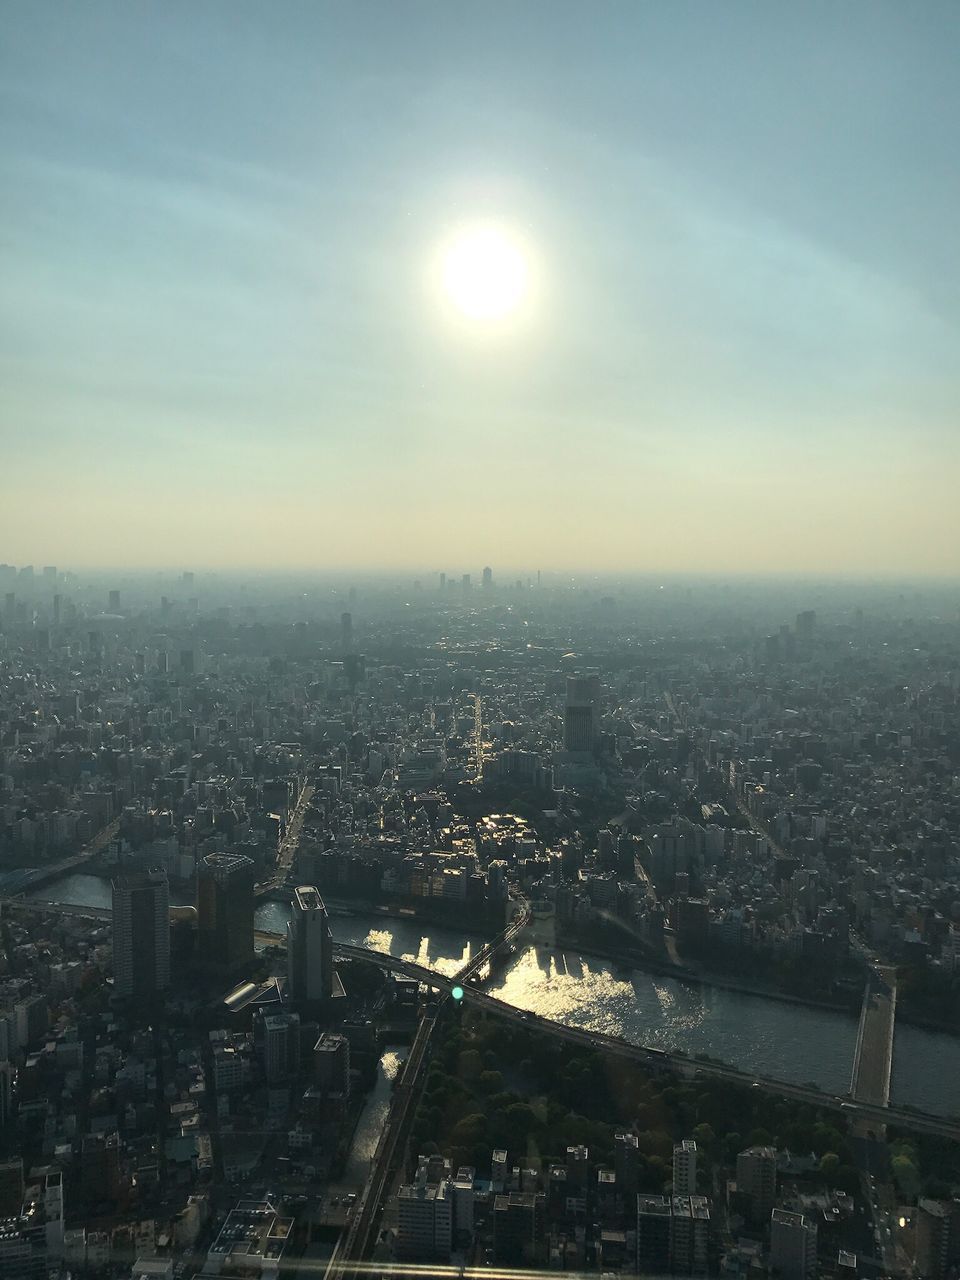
<point x="873" y="1056"/>
<point x="35" y="906"/>
<point x="14" y="882"/>
<point x="870" y="1111"/>
<point x="660" y="1058"/>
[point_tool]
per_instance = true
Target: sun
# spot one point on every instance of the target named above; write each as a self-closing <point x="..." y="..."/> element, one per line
<point x="485" y="274"/>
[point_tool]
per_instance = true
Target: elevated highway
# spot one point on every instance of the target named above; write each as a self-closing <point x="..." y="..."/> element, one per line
<point x="868" y="1110"/>
<point x="660" y="1058"/>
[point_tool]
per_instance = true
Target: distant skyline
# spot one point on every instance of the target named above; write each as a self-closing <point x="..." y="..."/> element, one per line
<point x="222" y="344"/>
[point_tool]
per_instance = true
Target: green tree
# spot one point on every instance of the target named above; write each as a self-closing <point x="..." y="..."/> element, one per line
<point x="470" y="1064"/>
<point x="906" y="1175"/>
<point x="469" y="1130"/>
<point x="704" y="1136"/>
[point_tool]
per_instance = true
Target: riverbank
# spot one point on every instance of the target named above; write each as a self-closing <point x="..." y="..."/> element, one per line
<point x="631" y="958"/>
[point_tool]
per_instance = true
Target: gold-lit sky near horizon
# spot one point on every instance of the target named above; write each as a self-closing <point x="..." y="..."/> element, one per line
<point x="533" y="287"/>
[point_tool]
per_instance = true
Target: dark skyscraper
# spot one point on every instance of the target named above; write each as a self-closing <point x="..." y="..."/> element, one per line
<point x="309" y="947"/>
<point x="488" y="577"/>
<point x="225" y="910"/>
<point x="581" y="714"/>
<point x="346" y="632"/>
<point x="141" y="934"/>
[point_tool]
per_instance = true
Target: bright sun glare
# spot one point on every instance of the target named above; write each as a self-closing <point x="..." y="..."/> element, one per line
<point x="485" y="274"/>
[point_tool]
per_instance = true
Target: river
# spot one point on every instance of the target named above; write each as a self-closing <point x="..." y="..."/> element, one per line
<point x="785" y="1041"/>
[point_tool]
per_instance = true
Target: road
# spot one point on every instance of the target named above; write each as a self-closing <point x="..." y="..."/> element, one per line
<point x="478" y="734"/>
<point x="873" y="1058"/>
<point x="905" y="1117"/>
<point x="14" y="882"/>
<point x="867" y="1111"/>
<point x="362" y="1232"/>
<point x="288" y="845"/>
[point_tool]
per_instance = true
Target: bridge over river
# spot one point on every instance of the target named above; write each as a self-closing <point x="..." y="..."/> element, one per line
<point x="867" y="1100"/>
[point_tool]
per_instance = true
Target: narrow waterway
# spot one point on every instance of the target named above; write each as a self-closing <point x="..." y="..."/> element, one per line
<point x="373" y="1118"/>
<point x="757" y="1034"/>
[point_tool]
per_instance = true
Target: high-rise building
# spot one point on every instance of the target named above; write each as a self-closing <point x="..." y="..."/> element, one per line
<point x="690" y="1235"/>
<point x="654" y="1225"/>
<point x="626" y="1163"/>
<point x="488" y="577"/>
<point x="462" y="1191"/>
<point x="581" y="714"/>
<point x="331" y="1063"/>
<point x="424" y="1218"/>
<point x="757" y="1181"/>
<point x="141" y="934"/>
<point x="793" y="1245"/>
<point x="346" y="632"/>
<point x="11" y="1187"/>
<point x="938" y="1237"/>
<point x="806" y="624"/>
<point x="225" y="883"/>
<point x="114" y="601"/>
<point x="8" y="1078"/>
<point x="309" y="947"/>
<point x="281" y="1046"/>
<point x="685" y="1168"/>
<point x="518" y="1226"/>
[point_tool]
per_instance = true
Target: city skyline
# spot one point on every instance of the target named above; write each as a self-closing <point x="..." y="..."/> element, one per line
<point x="224" y="344"/>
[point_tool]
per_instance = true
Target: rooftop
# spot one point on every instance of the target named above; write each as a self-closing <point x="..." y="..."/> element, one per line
<point x="253" y="1229"/>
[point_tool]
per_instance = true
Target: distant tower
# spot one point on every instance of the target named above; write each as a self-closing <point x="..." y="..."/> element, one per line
<point x="806" y="624"/>
<point x="443" y="581"/>
<point x="141" y="934"/>
<point x="114" y="601"/>
<point x="309" y="947"/>
<point x="581" y="714"/>
<point x="488" y="577"/>
<point x="465" y="582"/>
<point x="225" y="909"/>
<point x="346" y="632"/>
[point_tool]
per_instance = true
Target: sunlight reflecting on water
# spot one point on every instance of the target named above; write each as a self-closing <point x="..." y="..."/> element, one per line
<point x="756" y="1034"/>
<point x="390" y="1063"/>
<point x="786" y="1041"/>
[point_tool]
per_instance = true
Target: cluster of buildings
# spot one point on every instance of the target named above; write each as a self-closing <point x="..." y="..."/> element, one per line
<point x="582" y="1215"/>
<point x="655" y="764"/>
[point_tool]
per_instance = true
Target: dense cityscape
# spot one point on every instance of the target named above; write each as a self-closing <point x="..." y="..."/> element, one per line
<point x="478" y="921"/>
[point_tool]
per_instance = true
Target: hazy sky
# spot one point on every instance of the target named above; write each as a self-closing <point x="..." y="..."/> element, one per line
<point x="221" y="342"/>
